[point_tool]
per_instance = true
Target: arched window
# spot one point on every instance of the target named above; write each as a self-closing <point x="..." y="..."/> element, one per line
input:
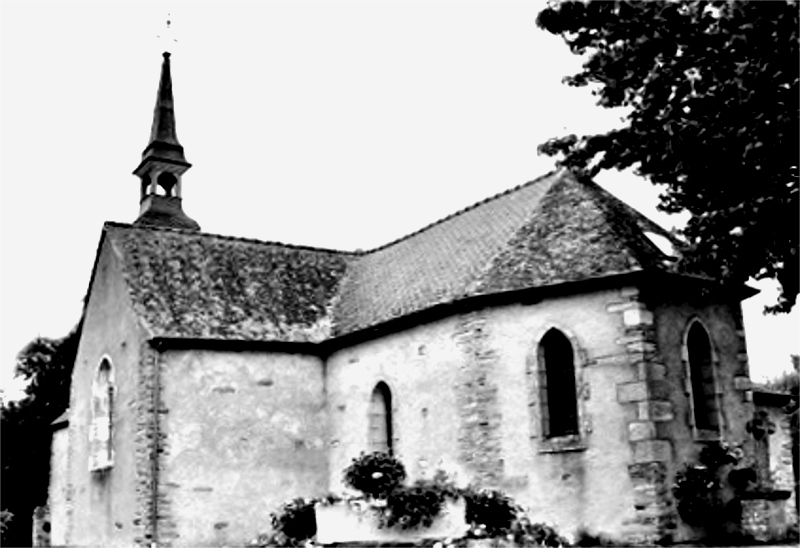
<point x="167" y="181"/>
<point x="559" y="402"/>
<point x="101" y="454"/>
<point x="380" y="419"/>
<point x="701" y="371"/>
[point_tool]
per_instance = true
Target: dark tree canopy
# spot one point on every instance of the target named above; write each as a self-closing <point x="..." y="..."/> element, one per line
<point x="25" y="431"/>
<point x="712" y="89"/>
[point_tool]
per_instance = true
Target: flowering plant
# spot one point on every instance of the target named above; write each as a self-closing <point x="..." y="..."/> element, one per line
<point x="492" y="513"/>
<point x="698" y="486"/>
<point x="294" y="524"/>
<point x="375" y="474"/>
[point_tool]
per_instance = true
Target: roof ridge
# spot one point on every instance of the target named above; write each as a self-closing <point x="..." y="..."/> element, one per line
<point x="609" y="196"/>
<point x="612" y="208"/>
<point x="230" y="238"/>
<point x="459" y="212"/>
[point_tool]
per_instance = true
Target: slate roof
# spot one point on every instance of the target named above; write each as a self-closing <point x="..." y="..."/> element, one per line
<point x="555" y="229"/>
<point x="551" y="230"/>
<point x="188" y="284"/>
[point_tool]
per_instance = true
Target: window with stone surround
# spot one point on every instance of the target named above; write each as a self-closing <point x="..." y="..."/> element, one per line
<point x="557" y="387"/>
<point x="702" y="388"/>
<point x="380" y="419"/>
<point x="101" y="452"/>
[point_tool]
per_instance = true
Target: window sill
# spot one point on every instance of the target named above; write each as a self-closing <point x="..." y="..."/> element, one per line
<point x="100" y="468"/>
<point x="564" y="444"/>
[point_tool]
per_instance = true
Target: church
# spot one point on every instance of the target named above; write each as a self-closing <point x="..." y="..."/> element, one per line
<point x="540" y="342"/>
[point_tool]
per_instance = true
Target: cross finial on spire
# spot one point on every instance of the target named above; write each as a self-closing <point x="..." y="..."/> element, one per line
<point x="167" y="36"/>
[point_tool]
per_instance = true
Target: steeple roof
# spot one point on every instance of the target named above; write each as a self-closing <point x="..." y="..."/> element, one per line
<point x="164" y="144"/>
<point x="163" y="164"/>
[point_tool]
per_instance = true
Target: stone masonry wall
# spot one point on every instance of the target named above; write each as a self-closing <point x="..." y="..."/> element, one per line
<point x="674" y="310"/>
<point x="240" y="433"/>
<point x="101" y="505"/>
<point x="465" y="398"/>
<point x="648" y="396"/>
<point x="480" y="417"/>
<point x="147" y="437"/>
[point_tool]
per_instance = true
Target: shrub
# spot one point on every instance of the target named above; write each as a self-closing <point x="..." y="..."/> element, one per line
<point x="493" y="510"/>
<point x="294" y="523"/>
<point x="697" y="491"/>
<point x="585" y="538"/>
<point x="526" y="533"/>
<point x="411" y="507"/>
<point x="698" y="486"/>
<point x="375" y="474"/>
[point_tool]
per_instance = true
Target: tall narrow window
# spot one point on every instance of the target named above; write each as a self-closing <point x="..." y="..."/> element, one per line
<point x="701" y="371"/>
<point x="380" y="419"/>
<point x="101" y="454"/>
<point x="557" y="385"/>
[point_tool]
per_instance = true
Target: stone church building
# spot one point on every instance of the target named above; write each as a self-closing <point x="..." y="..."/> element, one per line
<point x="539" y="341"/>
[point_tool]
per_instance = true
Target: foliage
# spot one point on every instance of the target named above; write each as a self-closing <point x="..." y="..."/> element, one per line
<point x="585" y="538"/>
<point x="375" y="474"/>
<point x="527" y="533"/>
<point x="493" y="510"/>
<point x="788" y="381"/>
<point x="712" y="95"/>
<point x="294" y="523"/>
<point x="697" y="490"/>
<point x="698" y="486"/>
<point x="25" y="429"/>
<point x="6" y="518"/>
<point x="412" y="507"/>
<point x="489" y="513"/>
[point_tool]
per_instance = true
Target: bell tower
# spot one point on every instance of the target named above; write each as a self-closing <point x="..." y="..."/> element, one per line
<point x="163" y="164"/>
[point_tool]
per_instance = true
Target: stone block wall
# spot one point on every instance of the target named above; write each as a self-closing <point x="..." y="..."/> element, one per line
<point x="238" y="434"/>
<point x="480" y="417"/>
<point x="147" y="456"/>
<point x="648" y="398"/>
<point x="674" y="309"/>
<point x="58" y="492"/>
<point x="101" y="505"/>
<point x="465" y="395"/>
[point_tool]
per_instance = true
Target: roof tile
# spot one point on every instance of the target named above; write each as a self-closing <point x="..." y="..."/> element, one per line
<point x="551" y="230"/>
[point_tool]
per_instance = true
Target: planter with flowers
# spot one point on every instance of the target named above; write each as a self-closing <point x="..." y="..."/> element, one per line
<point x="390" y="511"/>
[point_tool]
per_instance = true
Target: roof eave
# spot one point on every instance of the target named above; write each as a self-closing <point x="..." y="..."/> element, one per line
<point x="526" y="296"/>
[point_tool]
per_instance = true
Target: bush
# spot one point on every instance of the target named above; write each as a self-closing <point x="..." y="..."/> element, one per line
<point x="493" y="510"/>
<point x="411" y="507"/>
<point x="526" y="533"/>
<point x="375" y="474"/>
<point x="585" y="538"/>
<point x="698" y="487"/>
<point x="294" y="523"/>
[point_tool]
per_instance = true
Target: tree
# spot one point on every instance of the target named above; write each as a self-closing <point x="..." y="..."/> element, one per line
<point x="25" y="431"/>
<point x="712" y="93"/>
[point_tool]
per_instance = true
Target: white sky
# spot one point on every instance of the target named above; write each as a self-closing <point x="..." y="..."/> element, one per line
<point x="332" y="124"/>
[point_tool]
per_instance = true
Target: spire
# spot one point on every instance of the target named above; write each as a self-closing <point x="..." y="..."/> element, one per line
<point x="163" y="163"/>
<point x="163" y="138"/>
